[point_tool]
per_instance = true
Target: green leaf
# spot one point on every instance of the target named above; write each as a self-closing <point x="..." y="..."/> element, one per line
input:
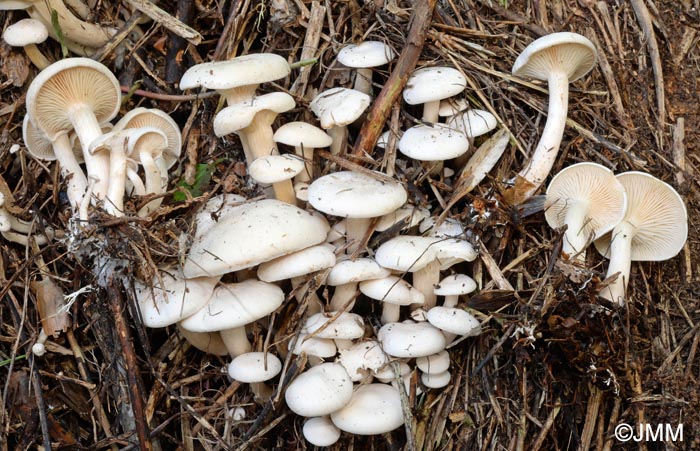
<point x="59" y="33"/>
<point x="8" y="361"/>
<point x="202" y="177"/>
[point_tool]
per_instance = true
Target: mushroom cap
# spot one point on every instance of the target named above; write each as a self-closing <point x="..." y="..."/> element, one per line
<point x="366" y="54"/>
<point x="314" y="346"/>
<point x="453" y="105"/>
<point x="253" y="233"/>
<point x="365" y="355"/>
<point x="216" y="208"/>
<point x="455" y="285"/>
<point x="38" y="145"/>
<point x="433" y="364"/>
<point x="244" y="70"/>
<point x="659" y="215"/>
<point x="393" y="290"/>
<point x="339" y="106"/>
<point x="386" y="373"/>
<point x="473" y="123"/>
<point x="25" y="32"/>
<point x="305" y="261"/>
<point x="568" y="52"/>
<point x="153" y="117"/>
<point x="433" y="83"/>
<point x="433" y="142"/>
<point x="590" y="187"/>
<point x="413" y="253"/>
<point x="320" y="390"/>
<point x="234" y="305"/>
<point x="344" y="326"/>
<point x="176" y="299"/>
<point x="135" y="139"/>
<point x="436" y="380"/>
<point x="238" y="116"/>
<point x="350" y="271"/>
<point x="352" y="194"/>
<point x="410" y="215"/>
<point x="56" y="90"/>
<point x="302" y="134"/>
<point x="320" y="431"/>
<point x="454" y="320"/>
<point x="411" y="339"/>
<point x="373" y="409"/>
<point x="209" y="342"/>
<point x="254" y="367"/>
<point x="275" y="168"/>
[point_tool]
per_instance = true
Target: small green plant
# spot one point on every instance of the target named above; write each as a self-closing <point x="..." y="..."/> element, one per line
<point x="59" y="33"/>
<point x="202" y="177"/>
<point x="8" y="361"/>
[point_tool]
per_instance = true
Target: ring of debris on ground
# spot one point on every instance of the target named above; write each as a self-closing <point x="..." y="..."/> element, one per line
<point x="382" y="224"/>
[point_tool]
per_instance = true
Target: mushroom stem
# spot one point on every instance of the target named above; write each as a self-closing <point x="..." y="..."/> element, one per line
<point x="574" y="242"/>
<point x="36" y="57"/>
<point x="239" y="94"/>
<point x="236" y="341"/>
<point x="451" y="301"/>
<point x="431" y="111"/>
<point x="307" y="153"/>
<point x="356" y="228"/>
<point x="70" y="170"/>
<point x="343" y="294"/>
<point x="133" y="176"/>
<point x="339" y="133"/>
<point x="363" y="80"/>
<point x="537" y="169"/>
<point x="620" y="262"/>
<point x="154" y="181"/>
<point x="88" y="129"/>
<point x="425" y="280"/>
<point x="391" y="313"/>
<point x="259" y="138"/>
<point x="117" y="181"/>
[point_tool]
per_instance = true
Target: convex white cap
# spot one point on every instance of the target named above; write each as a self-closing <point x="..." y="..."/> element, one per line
<point x="455" y="285"/>
<point x="350" y="271"/>
<point x="393" y="290"/>
<point x="434" y="142"/>
<point x="175" y="299"/>
<point x="25" y="32"/>
<point x="254" y="367"/>
<point x="350" y="194"/>
<point x="433" y="83"/>
<point x="435" y="363"/>
<point x="275" y="168"/>
<point x="238" y="116"/>
<point x="366" y="54"/>
<point x="320" y="390"/>
<point x="305" y="261"/>
<point x="320" y="431"/>
<point x="234" y="305"/>
<point x="339" y="106"/>
<point x="373" y="409"/>
<point x="454" y="320"/>
<point x="253" y="233"/>
<point x="413" y="253"/>
<point x="473" y="123"/>
<point x="302" y="134"/>
<point x="339" y="326"/>
<point x="411" y="339"/>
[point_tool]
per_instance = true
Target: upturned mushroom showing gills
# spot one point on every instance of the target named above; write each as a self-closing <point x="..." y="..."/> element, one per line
<point x="654" y="228"/>
<point x="589" y="200"/>
<point x="559" y="59"/>
<point x="76" y="94"/>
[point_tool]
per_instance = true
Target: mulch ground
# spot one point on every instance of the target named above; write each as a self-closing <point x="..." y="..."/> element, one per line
<point x="556" y="367"/>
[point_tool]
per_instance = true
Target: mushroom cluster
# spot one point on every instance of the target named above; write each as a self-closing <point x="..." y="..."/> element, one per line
<point x="631" y="216"/>
<point x="69" y="108"/>
<point x="318" y="237"/>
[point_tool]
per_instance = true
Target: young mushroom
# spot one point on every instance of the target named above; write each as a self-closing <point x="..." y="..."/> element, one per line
<point x="27" y="33"/>
<point x="589" y="200"/>
<point x="373" y="409"/>
<point x="364" y="57"/>
<point x="559" y="59"/>
<point x="305" y="138"/>
<point x="655" y="228"/>
<point x="429" y="85"/>
<point x="337" y="108"/>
